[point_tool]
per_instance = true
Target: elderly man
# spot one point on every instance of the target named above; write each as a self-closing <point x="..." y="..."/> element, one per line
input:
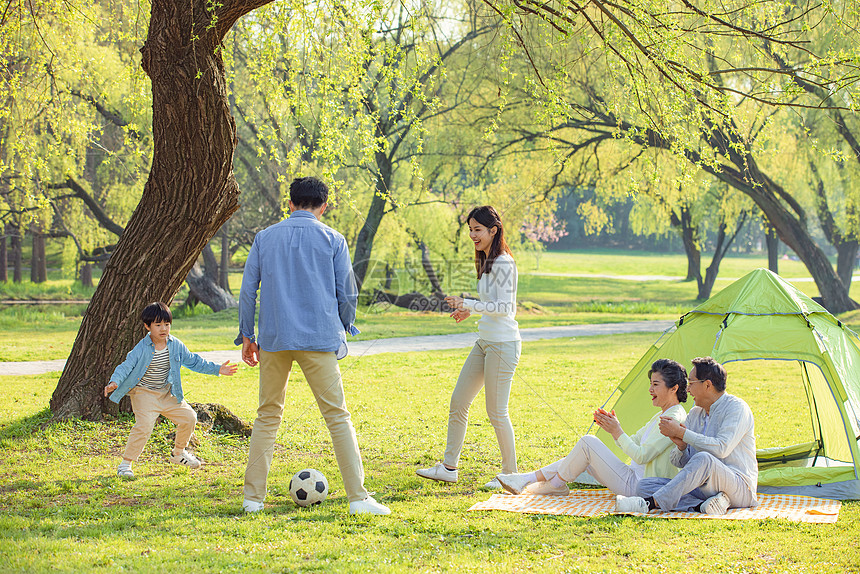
<point x="307" y="305"/>
<point x="715" y="452"/>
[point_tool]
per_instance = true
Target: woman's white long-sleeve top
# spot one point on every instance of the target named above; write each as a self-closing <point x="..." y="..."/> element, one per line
<point x="498" y="302"/>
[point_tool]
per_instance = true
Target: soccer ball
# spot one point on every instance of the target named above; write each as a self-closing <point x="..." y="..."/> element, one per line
<point x="308" y="487"/>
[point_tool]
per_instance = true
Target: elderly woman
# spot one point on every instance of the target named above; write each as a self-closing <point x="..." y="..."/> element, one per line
<point x="648" y="449"/>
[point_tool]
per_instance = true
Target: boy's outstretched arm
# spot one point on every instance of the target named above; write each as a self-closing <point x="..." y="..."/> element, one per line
<point x="227" y="369"/>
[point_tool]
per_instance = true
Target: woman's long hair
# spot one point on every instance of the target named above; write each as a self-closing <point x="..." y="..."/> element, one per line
<point x="489" y="218"/>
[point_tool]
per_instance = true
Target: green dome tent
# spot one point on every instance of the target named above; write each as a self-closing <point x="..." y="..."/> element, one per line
<point x="763" y="317"/>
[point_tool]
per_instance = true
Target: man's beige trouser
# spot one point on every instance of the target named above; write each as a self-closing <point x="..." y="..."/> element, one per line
<point x="323" y="376"/>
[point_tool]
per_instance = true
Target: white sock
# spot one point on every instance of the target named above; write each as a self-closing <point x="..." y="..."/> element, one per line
<point x="125" y="464"/>
<point x="557" y="481"/>
<point x="531" y="476"/>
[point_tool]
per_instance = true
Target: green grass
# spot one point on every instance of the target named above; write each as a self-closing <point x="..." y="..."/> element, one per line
<point x="61" y="508"/>
<point x="632" y="262"/>
<point x="545" y="301"/>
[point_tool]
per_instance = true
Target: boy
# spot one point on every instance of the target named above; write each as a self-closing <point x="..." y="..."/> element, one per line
<point x="150" y="376"/>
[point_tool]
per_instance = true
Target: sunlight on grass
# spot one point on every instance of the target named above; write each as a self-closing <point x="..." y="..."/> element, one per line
<point x="63" y="508"/>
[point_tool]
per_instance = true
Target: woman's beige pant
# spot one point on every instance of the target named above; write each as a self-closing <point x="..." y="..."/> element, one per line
<point x="323" y="376"/>
<point x="491" y="366"/>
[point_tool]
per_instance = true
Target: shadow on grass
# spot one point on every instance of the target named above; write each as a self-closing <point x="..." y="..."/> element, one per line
<point x="26" y="426"/>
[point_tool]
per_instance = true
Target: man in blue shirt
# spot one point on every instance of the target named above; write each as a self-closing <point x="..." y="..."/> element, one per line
<point x="308" y="299"/>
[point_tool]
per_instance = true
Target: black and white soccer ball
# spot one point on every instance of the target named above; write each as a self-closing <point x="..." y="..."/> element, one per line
<point x="308" y="486"/>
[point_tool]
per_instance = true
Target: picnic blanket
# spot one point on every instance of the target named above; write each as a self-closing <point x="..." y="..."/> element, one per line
<point x="596" y="502"/>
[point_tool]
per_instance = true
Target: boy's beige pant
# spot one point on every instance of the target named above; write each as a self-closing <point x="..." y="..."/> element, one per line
<point x="147" y="405"/>
<point x="323" y="376"/>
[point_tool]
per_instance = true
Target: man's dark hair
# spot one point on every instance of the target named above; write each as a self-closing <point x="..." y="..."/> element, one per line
<point x="708" y="369"/>
<point x="156" y="313"/>
<point x="308" y="192"/>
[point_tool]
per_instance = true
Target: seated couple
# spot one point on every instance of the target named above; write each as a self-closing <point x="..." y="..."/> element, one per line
<point x="705" y="463"/>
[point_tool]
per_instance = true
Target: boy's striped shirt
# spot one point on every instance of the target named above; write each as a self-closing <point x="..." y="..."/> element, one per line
<point x="155" y="377"/>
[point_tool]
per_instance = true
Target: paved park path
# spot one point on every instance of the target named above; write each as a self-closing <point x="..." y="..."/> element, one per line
<point x="398" y="344"/>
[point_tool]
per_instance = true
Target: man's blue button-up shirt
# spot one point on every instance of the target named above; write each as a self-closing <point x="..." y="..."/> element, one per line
<point x="308" y="294"/>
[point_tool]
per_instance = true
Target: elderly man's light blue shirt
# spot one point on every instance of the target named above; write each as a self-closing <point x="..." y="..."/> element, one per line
<point x="308" y="294"/>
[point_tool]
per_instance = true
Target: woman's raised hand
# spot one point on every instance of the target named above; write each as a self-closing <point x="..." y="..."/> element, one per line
<point x="608" y="422"/>
<point x="460" y="314"/>
<point x="455" y="302"/>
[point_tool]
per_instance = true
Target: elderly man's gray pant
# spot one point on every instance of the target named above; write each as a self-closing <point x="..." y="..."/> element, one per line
<point x="703" y="476"/>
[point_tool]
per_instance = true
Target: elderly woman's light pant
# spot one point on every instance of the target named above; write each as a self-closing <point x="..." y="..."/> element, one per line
<point x="591" y="455"/>
<point x="490" y="365"/>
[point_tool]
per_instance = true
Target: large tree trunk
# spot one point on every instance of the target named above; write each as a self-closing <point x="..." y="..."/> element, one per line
<point x="772" y="240"/>
<point x="224" y="268"/>
<point x="683" y="221"/>
<point x="38" y="265"/>
<point x="367" y="233"/>
<point x="189" y="195"/>
<point x="86" y="275"/>
<point x="846" y="259"/>
<point x="4" y="274"/>
<point x="206" y="290"/>
<point x="720" y="250"/>
<point x="17" y="254"/>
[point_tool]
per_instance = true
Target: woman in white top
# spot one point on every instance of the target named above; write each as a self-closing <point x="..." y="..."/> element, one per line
<point x="648" y="449"/>
<point x="494" y="358"/>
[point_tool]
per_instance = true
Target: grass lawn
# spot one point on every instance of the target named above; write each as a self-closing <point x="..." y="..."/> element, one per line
<point x="61" y="507"/>
<point x="544" y="301"/>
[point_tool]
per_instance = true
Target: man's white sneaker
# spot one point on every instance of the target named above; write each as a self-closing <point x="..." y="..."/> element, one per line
<point x="251" y="506"/>
<point x="547" y="488"/>
<point x="628" y="504"/>
<point x="717" y="505"/>
<point x="368" y="506"/>
<point x="438" y="472"/>
<point x="514" y="483"/>
<point x="124" y="471"/>
<point x="493" y="484"/>
<point x="185" y="458"/>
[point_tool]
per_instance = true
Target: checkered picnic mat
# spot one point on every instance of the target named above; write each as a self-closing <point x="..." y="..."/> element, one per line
<point x="602" y="501"/>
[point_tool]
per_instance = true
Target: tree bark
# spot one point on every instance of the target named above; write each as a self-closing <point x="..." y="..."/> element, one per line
<point x="683" y="221"/>
<point x="367" y="233"/>
<point x="206" y="290"/>
<point x="190" y="193"/>
<point x="38" y="265"/>
<point x="224" y="268"/>
<point x="4" y="274"/>
<point x="87" y="274"/>
<point x="17" y="255"/>
<point x="720" y="249"/>
<point x="772" y="240"/>
<point x="846" y="260"/>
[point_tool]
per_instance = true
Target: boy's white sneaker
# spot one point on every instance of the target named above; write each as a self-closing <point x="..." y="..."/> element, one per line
<point x="251" y="506"/>
<point x="368" y="506"/>
<point x="185" y="458"/>
<point x="438" y="472"/>
<point x="124" y="471"/>
<point x="628" y="504"/>
<point x="716" y="505"/>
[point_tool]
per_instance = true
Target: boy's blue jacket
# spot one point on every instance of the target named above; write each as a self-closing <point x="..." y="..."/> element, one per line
<point x="129" y="372"/>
